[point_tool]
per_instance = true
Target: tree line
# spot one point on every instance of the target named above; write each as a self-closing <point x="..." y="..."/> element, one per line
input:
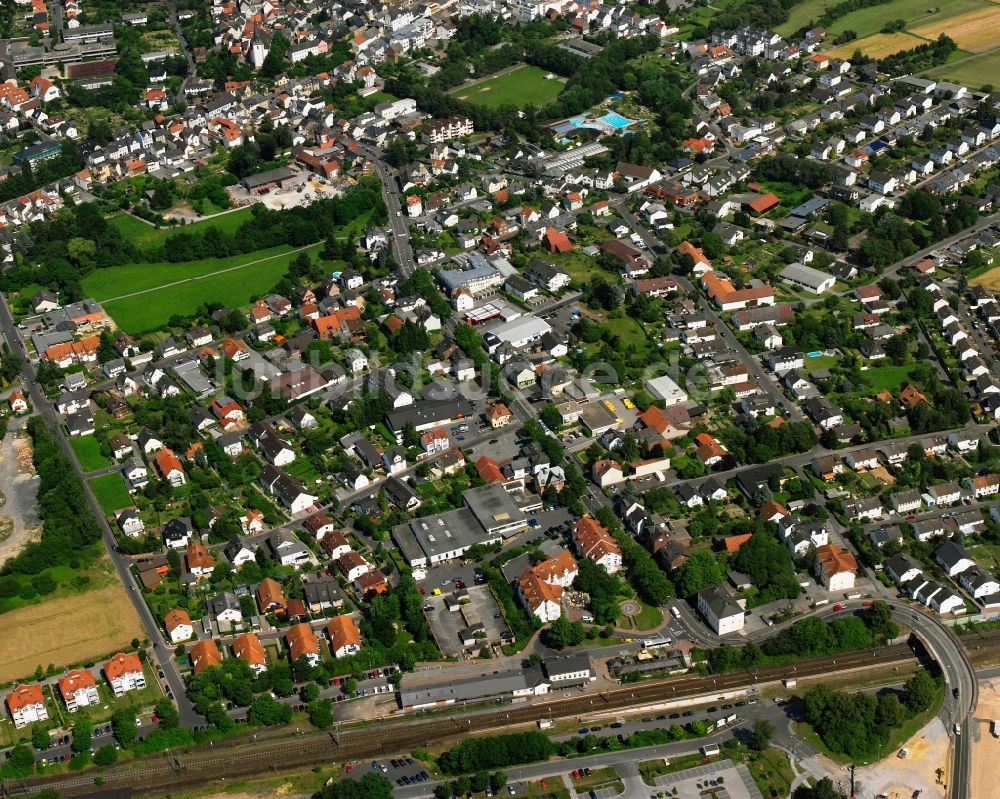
<point x="69" y="530"/>
<point x="809" y="637"/>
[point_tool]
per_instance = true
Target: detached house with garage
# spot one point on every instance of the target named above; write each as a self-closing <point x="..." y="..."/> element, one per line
<point x="250" y="650"/>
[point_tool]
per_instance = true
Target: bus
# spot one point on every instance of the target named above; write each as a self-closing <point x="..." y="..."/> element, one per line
<point x="656" y="643"/>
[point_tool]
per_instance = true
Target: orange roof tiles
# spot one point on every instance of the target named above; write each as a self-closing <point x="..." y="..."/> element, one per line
<point x="122" y="663"/>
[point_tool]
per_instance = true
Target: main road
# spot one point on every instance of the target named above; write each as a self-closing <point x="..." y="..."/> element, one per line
<point x="401" y="248"/>
<point x="161" y="652"/>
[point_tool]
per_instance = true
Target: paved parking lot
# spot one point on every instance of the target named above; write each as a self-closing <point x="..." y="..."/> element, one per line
<point x="406" y="769"/>
<point x="446" y="624"/>
<point x="690" y="782"/>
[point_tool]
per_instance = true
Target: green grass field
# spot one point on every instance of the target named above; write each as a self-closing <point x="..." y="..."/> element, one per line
<point x="890" y="378"/>
<point x="868" y="21"/>
<point x="111" y="492"/>
<point x="249" y="275"/>
<point x="526" y="85"/>
<point x="88" y="452"/>
<point x="144" y="235"/>
<point x="975" y="71"/>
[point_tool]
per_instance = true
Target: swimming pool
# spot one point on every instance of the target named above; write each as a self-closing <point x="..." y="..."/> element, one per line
<point x="615" y="120"/>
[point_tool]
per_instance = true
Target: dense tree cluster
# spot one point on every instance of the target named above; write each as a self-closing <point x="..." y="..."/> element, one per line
<point x="921" y="57"/>
<point x="859" y="725"/>
<point x="790" y="169"/>
<point x="769" y="565"/>
<point x="371" y="786"/>
<point x="602" y="588"/>
<point x="499" y="751"/>
<point x="758" y="443"/>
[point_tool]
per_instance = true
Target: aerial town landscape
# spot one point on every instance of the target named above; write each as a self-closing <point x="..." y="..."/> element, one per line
<point x="481" y="398"/>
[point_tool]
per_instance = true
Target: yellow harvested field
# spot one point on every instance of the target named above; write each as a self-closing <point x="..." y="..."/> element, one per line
<point x="878" y="46"/>
<point x="976" y="31"/>
<point x="990" y="279"/>
<point x="66" y="631"/>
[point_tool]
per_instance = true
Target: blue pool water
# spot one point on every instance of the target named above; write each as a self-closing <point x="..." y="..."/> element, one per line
<point x="616" y="120"/>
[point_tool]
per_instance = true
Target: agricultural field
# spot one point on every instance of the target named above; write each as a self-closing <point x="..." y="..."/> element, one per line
<point x="143" y="297"/>
<point x="524" y="85"/>
<point x="66" y="631"/>
<point x="144" y="235"/>
<point x="974" y="72"/>
<point x="869" y="21"/>
<point x="975" y="31"/>
<point x="878" y="46"/>
<point x="991" y="278"/>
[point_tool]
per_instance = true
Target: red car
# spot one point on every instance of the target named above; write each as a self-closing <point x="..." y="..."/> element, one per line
<point x="576" y="774"/>
<point x="839" y="606"/>
<point x="349" y="768"/>
<point x="866" y="604"/>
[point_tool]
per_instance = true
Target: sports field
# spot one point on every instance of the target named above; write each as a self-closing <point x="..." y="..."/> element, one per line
<point x="144" y="235"/>
<point x="143" y="297"/>
<point x="524" y="85"/>
<point x="66" y="631"/>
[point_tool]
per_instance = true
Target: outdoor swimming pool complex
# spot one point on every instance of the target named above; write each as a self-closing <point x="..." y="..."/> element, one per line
<point x="611" y="122"/>
<point x="615" y="120"/>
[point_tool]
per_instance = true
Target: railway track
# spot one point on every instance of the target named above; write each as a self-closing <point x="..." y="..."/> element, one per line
<point x="252" y="757"/>
<point x="247" y="758"/>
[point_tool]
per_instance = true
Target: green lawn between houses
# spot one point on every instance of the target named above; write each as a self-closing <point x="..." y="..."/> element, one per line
<point x="889" y="378"/>
<point x="524" y="85"/>
<point x="88" y="452"/>
<point x="111" y="492"/>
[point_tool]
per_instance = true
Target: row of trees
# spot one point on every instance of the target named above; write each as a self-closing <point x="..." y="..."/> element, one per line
<point x="69" y="530"/>
<point x="809" y="637"/>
